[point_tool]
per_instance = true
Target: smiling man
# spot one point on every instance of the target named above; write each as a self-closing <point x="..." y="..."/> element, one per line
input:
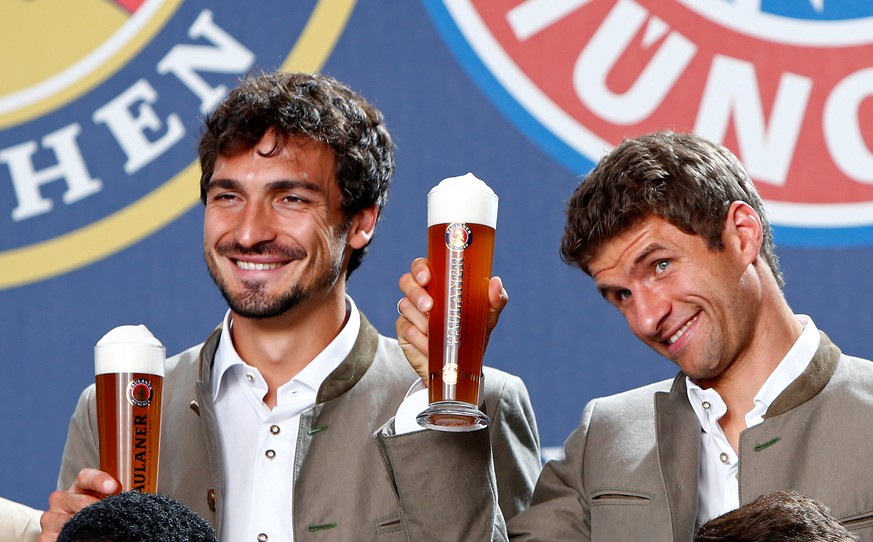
<point x="675" y="236"/>
<point x="280" y="426"/>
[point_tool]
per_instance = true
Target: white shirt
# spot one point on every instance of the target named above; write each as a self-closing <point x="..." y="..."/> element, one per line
<point x="718" y="489"/>
<point x="260" y="444"/>
<point x="414" y="402"/>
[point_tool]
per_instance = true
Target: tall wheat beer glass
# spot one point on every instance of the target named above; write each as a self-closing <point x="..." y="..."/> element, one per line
<point x="461" y="220"/>
<point x="129" y="366"/>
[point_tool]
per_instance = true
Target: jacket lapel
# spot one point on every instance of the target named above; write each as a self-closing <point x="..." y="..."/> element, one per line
<point x="811" y="381"/>
<point x="678" y="437"/>
<point x="350" y="371"/>
<point x="204" y="406"/>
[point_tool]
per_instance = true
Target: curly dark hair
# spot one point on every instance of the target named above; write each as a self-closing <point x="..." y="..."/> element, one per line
<point x="137" y="517"/>
<point x="315" y="106"/>
<point x="683" y="178"/>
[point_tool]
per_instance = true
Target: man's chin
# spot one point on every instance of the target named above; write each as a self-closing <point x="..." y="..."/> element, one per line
<point x="263" y="311"/>
<point x="251" y="314"/>
<point x="256" y="306"/>
<point x="704" y="379"/>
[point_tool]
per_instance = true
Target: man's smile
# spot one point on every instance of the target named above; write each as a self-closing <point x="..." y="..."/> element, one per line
<point x="681" y="331"/>
<point x="257" y="266"/>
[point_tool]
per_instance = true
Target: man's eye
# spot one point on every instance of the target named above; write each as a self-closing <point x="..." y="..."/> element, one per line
<point x="662" y="265"/>
<point x="623" y="295"/>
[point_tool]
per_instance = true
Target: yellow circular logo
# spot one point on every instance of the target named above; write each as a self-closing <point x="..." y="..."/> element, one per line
<point x="102" y="103"/>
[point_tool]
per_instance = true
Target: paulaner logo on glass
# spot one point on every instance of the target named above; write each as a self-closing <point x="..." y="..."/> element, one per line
<point x="458" y="238"/>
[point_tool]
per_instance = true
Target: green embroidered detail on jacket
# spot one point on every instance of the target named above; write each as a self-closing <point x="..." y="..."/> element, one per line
<point x="767" y="444"/>
<point x="326" y="526"/>
<point x="318" y="429"/>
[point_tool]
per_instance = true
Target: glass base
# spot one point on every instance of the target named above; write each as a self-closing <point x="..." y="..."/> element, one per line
<point x="452" y="416"/>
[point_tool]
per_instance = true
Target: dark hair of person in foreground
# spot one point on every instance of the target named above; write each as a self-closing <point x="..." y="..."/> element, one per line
<point x="137" y="517"/>
<point x="781" y="516"/>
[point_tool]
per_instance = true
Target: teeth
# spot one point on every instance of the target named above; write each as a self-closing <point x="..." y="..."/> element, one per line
<point x="682" y="329"/>
<point x="252" y="266"/>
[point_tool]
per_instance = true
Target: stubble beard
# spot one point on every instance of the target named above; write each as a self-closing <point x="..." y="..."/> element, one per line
<point x="255" y="301"/>
<point x="708" y="363"/>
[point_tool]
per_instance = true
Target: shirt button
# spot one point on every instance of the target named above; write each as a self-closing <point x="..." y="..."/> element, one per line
<point x="263" y="537"/>
<point x="210" y="499"/>
<point x="723" y="457"/>
<point x="250" y="377"/>
<point x="274" y="429"/>
<point x="706" y="405"/>
<point x="272" y="453"/>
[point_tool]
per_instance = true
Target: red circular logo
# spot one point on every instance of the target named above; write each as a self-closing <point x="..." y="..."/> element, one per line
<point x="791" y="93"/>
<point x="458" y="236"/>
<point x="139" y="392"/>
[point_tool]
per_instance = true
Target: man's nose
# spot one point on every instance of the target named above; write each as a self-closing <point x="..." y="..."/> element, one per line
<point x="651" y="307"/>
<point x="256" y="225"/>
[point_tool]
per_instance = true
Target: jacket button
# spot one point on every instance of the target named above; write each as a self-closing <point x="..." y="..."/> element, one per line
<point x="263" y="537"/>
<point x="210" y="499"/>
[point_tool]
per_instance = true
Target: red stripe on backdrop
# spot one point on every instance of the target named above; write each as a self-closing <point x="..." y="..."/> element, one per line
<point x="129" y="5"/>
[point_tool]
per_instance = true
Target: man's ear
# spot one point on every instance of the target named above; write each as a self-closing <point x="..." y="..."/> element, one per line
<point x="362" y="227"/>
<point x="744" y="229"/>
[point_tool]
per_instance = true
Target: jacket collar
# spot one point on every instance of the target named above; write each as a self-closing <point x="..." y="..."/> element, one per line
<point x="342" y="379"/>
<point x="811" y="381"/>
<point x="806" y="386"/>
<point x="350" y="371"/>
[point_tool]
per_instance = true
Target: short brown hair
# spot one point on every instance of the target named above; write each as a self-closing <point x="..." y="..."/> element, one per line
<point x="781" y="516"/>
<point x="683" y="178"/>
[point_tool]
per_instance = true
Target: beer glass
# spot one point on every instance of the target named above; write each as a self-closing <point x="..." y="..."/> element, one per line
<point x="461" y="220"/>
<point x="129" y="368"/>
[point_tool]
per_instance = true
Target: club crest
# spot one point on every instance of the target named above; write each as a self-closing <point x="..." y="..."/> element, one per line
<point x="787" y="86"/>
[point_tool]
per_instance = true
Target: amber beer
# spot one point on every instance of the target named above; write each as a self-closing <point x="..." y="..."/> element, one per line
<point x="129" y="367"/>
<point x="462" y="217"/>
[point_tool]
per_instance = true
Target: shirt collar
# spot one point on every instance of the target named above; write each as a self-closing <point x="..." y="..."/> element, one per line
<point x="315" y="372"/>
<point x="791" y="367"/>
<point x="709" y="407"/>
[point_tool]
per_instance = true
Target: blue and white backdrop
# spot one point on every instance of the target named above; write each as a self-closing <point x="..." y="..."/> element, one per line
<point x="101" y="103"/>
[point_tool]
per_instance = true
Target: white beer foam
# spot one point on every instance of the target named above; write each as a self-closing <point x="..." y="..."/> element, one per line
<point x="129" y="349"/>
<point x="462" y="199"/>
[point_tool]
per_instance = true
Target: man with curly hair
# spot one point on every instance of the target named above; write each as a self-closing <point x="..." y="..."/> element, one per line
<point x="279" y="426"/>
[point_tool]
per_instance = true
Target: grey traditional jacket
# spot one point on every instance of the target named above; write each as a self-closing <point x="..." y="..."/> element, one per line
<point x="631" y="468"/>
<point x="630" y="471"/>
<point x="345" y="479"/>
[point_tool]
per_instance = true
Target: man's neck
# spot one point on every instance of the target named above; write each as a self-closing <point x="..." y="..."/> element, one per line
<point x="282" y="346"/>
<point x="776" y="333"/>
